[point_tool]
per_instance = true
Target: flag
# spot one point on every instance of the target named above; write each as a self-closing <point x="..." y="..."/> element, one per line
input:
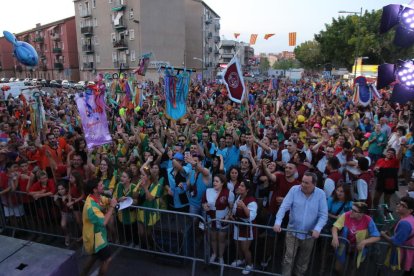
<point x="236" y="35"/>
<point x="93" y="119"/>
<point x="267" y="36"/>
<point x="233" y="80"/>
<point x="176" y="93"/>
<point x="253" y="38"/>
<point x="292" y="39"/>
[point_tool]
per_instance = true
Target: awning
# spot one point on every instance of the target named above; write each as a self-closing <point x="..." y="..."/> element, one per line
<point x="120" y="8"/>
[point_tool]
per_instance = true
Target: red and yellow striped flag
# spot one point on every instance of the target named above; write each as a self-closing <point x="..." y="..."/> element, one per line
<point x="236" y="35"/>
<point x="267" y="36"/>
<point x="292" y="39"/>
<point x="253" y="39"/>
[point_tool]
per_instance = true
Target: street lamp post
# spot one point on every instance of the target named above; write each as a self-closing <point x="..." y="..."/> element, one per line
<point x="359" y="35"/>
<point x="202" y="67"/>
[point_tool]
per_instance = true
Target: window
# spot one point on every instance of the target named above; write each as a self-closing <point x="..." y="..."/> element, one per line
<point x="131" y="34"/>
<point x="131" y="14"/>
<point x="113" y="37"/>
<point x="84" y="59"/>
<point x="90" y="58"/>
<point x="95" y="40"/>
<point x="114" y="56"/>
<point x="95" y="22"/>
<point x="132" y="54"/>
<point x="82" y="41"/>
<point x="93" y="3"/>
<point x="80" y="8"/>
<point x="110" y="1"/>
<point x="97" y="58"/>
<point x="122" y="57"/>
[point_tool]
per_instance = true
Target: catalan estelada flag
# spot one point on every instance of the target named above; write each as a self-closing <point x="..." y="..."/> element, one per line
<point x="267" y="36"/>
<point x="292" y="39"/>
<point x="236" y="35"/>
<point x="253" y="39"/>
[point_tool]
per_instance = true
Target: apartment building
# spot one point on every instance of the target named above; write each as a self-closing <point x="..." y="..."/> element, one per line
<point x="56" y="46"/>
<point x="243" y="51"/>
<point x="114" y="34"/>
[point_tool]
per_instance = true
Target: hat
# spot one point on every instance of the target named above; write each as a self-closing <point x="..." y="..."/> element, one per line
<point x="317" y="125"/>
<point x="178" y="156"/>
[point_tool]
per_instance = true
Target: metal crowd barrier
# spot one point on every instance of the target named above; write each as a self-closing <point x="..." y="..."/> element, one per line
<point x="178" y="235"/>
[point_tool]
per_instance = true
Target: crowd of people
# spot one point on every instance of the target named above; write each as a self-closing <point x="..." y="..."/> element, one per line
<point x="303" y="156"/>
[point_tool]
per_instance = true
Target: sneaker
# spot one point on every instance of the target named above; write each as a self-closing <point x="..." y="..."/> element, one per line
<point x="265" y="262"/>
<point x="221" y="261"/>
<point x="237" y="263"/>
<point x="213" y="258"/>
<point x="247" y="269"/>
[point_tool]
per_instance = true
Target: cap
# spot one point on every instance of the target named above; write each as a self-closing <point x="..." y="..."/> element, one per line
<point x="317" y="125"/>
<point x="178" y="156"/>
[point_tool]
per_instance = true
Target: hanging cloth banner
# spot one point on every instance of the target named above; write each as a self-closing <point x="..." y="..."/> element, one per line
<point x="143" y="64"/>
<point x="37" y="114"/>
<point x="363" y="92"/>
<point x="93" y="118"/>
<point x="233" y="80"/>
<point x="176" y="93"/>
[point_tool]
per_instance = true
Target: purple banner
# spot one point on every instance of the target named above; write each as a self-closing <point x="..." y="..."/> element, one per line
<point x="94" y="123"/>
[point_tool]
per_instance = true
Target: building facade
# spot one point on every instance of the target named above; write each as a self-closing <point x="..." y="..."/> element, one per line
<point x="56" y="46"/>
<point x="114" y="34"/>
<point x="243" y="51"/>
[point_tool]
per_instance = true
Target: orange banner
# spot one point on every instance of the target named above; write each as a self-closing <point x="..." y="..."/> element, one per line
<point x="253" y="39"/>
<point x="292" y="39"/>
<point x="267" y="36"/>
<point x="236" y="35"/>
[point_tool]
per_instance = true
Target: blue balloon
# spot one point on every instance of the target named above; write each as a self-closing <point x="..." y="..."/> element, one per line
<point x="23" y="51"/>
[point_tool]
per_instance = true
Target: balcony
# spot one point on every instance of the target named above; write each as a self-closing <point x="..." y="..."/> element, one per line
<point x="55" y="36"/>
<point x="120" y="26"/>
<point x="58" y="65"/>
<point x="87" y="48"/>
<point x="85" y="13"/>
<point x="39" y="39"/>
<point x="119" y="5"/>
<point x="57" y="50"/>
<point x="120" y="44"/>
<point x="88" y="30"/>
<point x="88" y="66"/>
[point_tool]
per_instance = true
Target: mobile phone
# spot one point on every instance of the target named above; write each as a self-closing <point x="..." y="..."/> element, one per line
<point x="187" y="153"/>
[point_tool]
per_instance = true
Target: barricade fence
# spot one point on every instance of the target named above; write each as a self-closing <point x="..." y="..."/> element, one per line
<point x="194" y="238"/>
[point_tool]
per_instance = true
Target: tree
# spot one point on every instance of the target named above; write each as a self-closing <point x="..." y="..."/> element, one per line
<point x="309" y="54"/>
<point x="347" y="36"/>
<point x="264" y="64"/>
<point x="285" y="64"/>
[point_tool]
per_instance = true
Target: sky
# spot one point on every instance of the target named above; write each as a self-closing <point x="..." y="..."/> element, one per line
<point x="305" y="17"/>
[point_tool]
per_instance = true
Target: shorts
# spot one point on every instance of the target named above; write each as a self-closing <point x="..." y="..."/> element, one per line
<point x="380" y="187"/>
<point x="14" y="211"/>
<point x="103" y="254"/>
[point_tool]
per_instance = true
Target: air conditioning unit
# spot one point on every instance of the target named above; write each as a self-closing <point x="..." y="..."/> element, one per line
<point x="126" y="32"/>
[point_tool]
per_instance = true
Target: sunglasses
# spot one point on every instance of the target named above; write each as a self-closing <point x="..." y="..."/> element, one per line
<point x="356" y="211"/>
<point x="402" y="205"/>
<point x="181" y="141"/>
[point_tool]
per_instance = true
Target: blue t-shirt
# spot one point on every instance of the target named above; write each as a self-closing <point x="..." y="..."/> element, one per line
<point x="402" y="233"/>
<point x="231" y="156"/>
<point x="334" y="206"/>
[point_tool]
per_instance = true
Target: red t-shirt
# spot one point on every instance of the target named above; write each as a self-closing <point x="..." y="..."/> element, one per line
<point x="280" y="189"/>
<point x="50" y="187"/>
<point x="384" y="163"/>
